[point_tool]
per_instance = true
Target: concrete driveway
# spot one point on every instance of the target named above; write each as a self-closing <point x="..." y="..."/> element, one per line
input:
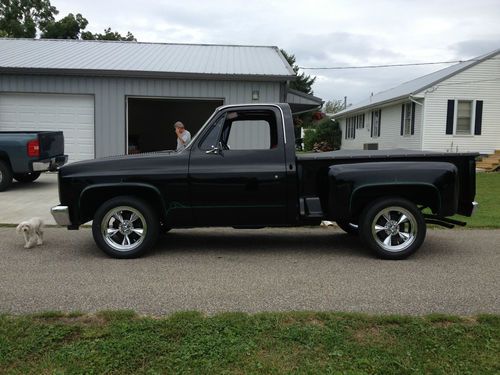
<point x="24" y="201"/>
<point x="214" y="270"/>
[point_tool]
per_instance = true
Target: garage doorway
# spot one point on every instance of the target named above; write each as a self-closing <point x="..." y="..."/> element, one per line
<point x="151" y="121"/>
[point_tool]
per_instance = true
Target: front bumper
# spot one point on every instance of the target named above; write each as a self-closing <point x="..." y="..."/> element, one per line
<point x="61" y="215"/>
<point x="50" y="164"/>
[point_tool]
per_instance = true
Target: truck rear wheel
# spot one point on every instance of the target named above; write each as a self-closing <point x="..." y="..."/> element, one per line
<point x="394" y="228"/>
<point x="125" y="227"/>
<point x="5" y="176"/>
<point x="26" y="177"/>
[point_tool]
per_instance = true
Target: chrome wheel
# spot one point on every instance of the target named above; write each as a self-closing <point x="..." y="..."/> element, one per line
<point x="394" y="228"/>
<point x="123" y="228"/>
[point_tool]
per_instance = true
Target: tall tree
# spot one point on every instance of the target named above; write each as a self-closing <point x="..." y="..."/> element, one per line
<point x="22" y="18"/>
<point x="333" y="106"/>
<point x="69" y="27"/>
<point x="109" y="35"/>
<point x="303" y="82"/>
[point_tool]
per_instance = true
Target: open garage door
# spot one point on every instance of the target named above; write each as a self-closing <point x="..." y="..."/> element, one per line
<point x="72" y="114"/>
<point x="151" y="121"/>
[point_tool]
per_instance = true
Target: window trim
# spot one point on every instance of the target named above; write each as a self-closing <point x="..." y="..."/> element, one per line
<point x="472" y="117"/>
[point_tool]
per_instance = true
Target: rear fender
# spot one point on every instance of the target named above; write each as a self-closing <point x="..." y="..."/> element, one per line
<point x="353" y="186"/>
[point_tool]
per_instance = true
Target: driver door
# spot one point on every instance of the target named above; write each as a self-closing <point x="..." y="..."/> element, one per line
<point x="237" y="171"/>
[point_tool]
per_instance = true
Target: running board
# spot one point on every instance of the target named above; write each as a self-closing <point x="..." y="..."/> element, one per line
<point x="443" y="221"/>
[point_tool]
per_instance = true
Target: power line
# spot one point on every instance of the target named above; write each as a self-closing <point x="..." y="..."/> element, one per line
<point x="383" y="66"/>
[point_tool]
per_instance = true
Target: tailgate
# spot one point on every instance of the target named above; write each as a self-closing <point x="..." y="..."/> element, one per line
<point x="51" y="144"/>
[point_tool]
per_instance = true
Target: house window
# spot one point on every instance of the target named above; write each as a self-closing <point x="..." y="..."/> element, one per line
<point x="360" y="121"/>
<point x="350" y="128"/>
<point x="408" y="114"/>
<point x="464" y="117"/>
<point x="376" y="122"/>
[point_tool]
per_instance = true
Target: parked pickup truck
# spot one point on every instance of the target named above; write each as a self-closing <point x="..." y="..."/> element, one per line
<point x="24" y="155"/>
<point x="241" y="171"/>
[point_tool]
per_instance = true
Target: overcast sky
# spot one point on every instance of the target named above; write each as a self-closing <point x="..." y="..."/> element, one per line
<point x="319" y="33"/>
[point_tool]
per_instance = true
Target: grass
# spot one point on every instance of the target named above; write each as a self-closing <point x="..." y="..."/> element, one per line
<point x="235" y="343"/>
<point x="488" y="196"/>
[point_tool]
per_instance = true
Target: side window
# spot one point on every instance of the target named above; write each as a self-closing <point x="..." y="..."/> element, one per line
<point x="250" y="131"/>
<point x="211" y="139"/>
<point x="249" y="135"/>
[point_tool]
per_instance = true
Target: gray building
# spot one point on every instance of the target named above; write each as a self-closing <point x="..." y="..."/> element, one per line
<point x="113" y="98"/>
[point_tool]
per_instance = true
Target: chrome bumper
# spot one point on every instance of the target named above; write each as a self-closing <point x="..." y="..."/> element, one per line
<point x="61" y="215"/>
<point x="475" y="206"/>
<point x="50" y="164"/>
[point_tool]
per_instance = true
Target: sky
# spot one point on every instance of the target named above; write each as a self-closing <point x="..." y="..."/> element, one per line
<point x="319" y="33"/>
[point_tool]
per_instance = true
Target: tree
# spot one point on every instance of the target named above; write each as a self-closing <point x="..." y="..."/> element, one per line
<point x="109" y="35"/>
<point x="325" y="136"/>
<point x="69" y="27"/>
<point x="22" y="18"/>
<point x="303" y="82"/>
<point x="333" y="106"/>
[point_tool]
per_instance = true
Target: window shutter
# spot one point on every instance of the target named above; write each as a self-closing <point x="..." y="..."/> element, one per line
<point x="449" y="116"/>
<point x="402" y="118"/>
<point x="412" y="118"/>
<point x="479" y="117"/>
<point x="379" y="121"/>
<point x="371" y="127"/>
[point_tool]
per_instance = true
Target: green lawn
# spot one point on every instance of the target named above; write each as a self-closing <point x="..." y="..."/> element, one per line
<point x="488" y="196"/>
<point x="237" y="343"/>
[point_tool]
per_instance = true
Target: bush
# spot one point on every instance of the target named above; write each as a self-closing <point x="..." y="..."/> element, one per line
<point x="325" y="134"/>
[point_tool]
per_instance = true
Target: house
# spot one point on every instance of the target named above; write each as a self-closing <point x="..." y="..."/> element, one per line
<point x="454" y="109"/>
<point x="112" y="98"/>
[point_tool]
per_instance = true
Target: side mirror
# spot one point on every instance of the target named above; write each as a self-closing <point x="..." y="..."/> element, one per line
<point x="215" y="150"/>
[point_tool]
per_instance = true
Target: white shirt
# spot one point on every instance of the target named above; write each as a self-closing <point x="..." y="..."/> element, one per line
<point x="186" y="137"/>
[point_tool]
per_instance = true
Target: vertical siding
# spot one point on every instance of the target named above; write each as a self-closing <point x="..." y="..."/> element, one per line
<point x="480" y="82"/>
<point x="110" y="94"/>
<point x="390" y="131"/>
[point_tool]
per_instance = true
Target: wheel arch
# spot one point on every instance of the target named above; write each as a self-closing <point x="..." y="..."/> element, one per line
<point x="92" y="197"/>
<point x="424" y="194"/>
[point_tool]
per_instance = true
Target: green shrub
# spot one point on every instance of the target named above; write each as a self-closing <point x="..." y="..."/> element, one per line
<point x="324" y="131"/>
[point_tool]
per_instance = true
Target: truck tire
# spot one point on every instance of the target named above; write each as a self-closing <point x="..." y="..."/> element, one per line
<point x="26" y="177"/>
<point x="393" y="228"/>
<point x="125" y="227"/>
<point x="348" y="227"/>
<point x="5" y="175"/>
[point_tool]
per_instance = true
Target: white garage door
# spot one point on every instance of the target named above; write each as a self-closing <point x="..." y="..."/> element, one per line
<point x="73" y="114"/>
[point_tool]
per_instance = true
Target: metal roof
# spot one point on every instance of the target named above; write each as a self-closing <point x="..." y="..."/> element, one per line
<point x="415" y="86"/>
<point x="64" y="56"/>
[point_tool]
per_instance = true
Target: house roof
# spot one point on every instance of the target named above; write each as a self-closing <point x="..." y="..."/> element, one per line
<point x="64" y="56"/>
<point x="415" y="86"/>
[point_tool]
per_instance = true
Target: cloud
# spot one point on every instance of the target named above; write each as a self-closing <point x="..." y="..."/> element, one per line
<point x="318" y="32"/>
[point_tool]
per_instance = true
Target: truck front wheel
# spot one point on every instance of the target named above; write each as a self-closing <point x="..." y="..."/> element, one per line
<point x="393" y="228"/>
<point x="125" y="227"/>
<point x="5" y="176"/>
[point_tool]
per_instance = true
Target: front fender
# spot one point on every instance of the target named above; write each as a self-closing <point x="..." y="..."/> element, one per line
<point x="94" y="195"/>
<point x="353" y="186"/>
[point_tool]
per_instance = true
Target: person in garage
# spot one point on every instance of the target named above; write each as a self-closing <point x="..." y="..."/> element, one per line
<point x="183" y="136"/>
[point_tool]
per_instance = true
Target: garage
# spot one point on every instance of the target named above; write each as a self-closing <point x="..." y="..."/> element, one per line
<point x="72" y="114"/>
<point x="151" y="120"/>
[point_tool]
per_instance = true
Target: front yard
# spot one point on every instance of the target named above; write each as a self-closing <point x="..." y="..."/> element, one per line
<point x="237" y="343"/>
<point x="488" y="196"/>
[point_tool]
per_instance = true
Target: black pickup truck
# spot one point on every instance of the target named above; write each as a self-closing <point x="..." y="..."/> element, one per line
<point x="24" y="155"/>
<point x="241" y="171"/>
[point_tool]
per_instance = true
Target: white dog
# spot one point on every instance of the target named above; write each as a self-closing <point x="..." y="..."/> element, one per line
<point x="32" y="231"/>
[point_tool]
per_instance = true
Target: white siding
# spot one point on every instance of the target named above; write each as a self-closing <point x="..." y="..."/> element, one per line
<point x="390" y="130"/>
<point x="480" y="82"/>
